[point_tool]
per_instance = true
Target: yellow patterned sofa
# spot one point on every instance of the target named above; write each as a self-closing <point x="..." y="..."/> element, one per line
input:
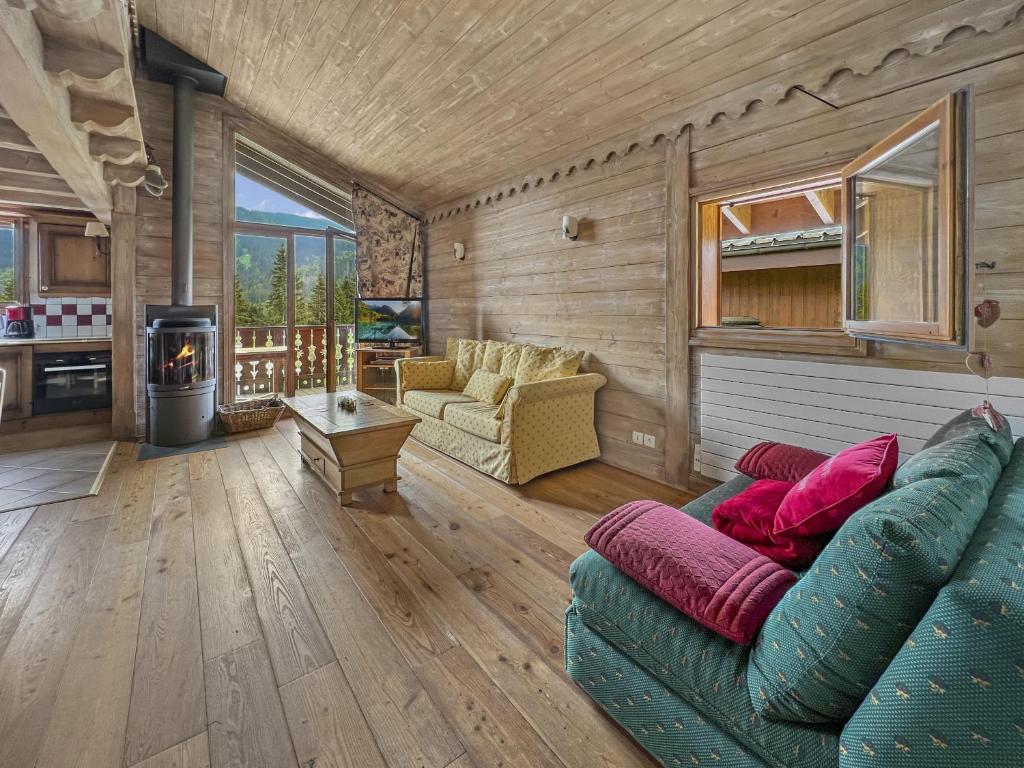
<point x="545" y="420"/>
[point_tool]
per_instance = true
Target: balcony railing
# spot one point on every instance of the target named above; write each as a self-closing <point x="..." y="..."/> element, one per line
<point x="262" y="353"/>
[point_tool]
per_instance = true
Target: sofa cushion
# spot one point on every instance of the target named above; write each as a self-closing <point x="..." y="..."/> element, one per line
<point x="494" y="351"/>
<point x="749" y="516"/>
<point x="510" y="359"/>
<point x="704" y="669"/>
<point x="475" y="418"/>
<point x="779" y="461"/>
<point x="820" y="502"/>
<point x="433" y="402"/>
<point x="965" y="424"/>
<point x="418" y="374"/>
<point x="834" y="632"/>
<point x="954" y="694"/>
<point x="543" y="363"/>
<point x="470" y="357"/>
<point x="715" y="580"/>
<point x="487" y="387"/>
<point x="952" y="459"/>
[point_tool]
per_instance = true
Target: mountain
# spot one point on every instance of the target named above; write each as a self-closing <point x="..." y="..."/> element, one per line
<point x="284" y="219"/>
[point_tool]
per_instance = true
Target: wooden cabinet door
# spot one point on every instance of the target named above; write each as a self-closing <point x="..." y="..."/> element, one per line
<point x="70" y="264"/>
<point x="17" y="361"/>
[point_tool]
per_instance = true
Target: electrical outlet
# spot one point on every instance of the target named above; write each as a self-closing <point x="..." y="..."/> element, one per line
<point x="698" y="456"/>
<point x="649" y="441"/>
<point x="638" y="438"/>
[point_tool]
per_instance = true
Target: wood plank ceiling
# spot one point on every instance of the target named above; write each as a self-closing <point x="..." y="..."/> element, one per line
<point x="437" y="99"/>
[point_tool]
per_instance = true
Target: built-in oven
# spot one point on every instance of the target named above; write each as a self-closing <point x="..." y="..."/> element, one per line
<point x="70" y="381"/>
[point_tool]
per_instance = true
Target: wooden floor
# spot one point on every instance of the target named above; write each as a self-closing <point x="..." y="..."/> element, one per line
<point x="219" y="609"/>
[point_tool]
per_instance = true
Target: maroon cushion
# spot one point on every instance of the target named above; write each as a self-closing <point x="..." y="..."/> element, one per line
<point x="778" y="461"/>
<point x="749" y="517"/>
<point x="724" y="585"/>
<point x="821" y="502"/>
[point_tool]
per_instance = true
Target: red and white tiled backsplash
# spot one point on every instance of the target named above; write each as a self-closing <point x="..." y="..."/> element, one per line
<point x="67" y="317"/>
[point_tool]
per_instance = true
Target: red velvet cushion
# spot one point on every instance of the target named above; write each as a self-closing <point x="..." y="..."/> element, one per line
<point x="749" y="517"/>
<point x="822" y="501"/>
<point x="779" y="461"/>
<point x="727" y="587"/>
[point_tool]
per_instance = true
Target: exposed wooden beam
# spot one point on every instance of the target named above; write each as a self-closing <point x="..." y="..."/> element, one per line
<point x="115" y="149"/>
<point x="823" y="201"/>
<point x="41" y="108"/>
<point x="13" y="182"/>
<point x="12" y="137"/>
<point x="124" y="175"/>
<point x="90" y="69"/>
<point x="32" y="163"/>
<point x="122" y="293"/>
<point x="739" y="215"/>
<point x="42" y="200"/>
<point x="107" y="118"/>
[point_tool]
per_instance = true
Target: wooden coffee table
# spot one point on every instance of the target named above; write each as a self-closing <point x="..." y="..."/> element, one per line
<point x="351" y="450"/>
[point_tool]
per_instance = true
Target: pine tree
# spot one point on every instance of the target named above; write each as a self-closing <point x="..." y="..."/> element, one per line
<point x="303" y="316"/>
<point x="243" y="309"/>
<point x="318" y="300"/>
<point x="277" y="303"/>
<point x="345" y="300"/>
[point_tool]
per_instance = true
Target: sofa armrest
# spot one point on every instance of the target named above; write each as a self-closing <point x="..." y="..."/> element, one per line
<point x="406" y="365"/>
<point x="550" y="424"/>
<point x="537" y="391"/>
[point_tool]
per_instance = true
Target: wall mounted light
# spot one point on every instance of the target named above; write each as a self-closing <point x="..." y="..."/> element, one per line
<point x="570" y="227"/>
<point x="98" y="231"/>
<point x="460" y="251"/>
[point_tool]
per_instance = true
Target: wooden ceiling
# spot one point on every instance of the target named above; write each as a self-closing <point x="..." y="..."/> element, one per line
<point x="437" y="99"/>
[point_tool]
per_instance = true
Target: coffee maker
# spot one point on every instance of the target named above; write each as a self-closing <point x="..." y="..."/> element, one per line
<point x="18" y="322"/>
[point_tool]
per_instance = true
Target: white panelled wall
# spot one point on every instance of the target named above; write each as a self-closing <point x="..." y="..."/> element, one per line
<point x="828" y="406"/>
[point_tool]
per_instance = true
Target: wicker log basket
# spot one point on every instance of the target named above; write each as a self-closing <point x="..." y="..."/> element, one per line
<point x="251" y="414"/>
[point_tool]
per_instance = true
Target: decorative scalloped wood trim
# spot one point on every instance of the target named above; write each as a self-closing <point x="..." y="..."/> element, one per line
<point x="742" y="102"/>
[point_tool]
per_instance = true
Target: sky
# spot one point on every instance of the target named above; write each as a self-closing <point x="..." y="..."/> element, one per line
<point x="255" y="197"/>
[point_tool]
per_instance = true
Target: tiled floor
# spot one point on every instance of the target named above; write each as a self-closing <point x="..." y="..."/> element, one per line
<point x="31" y="478"/>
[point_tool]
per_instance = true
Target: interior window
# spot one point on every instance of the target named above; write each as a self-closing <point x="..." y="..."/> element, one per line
<point x="773" y="260"/>
<point x="773" y="263"/>
<point x="904" y="259"/>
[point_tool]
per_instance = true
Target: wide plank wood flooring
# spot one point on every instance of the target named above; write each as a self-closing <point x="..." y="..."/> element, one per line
<point x="219" y="609"/>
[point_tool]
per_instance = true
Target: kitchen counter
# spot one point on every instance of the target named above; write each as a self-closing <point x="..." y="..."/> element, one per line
<point x="40" y="342"/>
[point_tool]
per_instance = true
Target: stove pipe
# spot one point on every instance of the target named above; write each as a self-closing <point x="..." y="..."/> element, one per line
<point x="181" y="200"/>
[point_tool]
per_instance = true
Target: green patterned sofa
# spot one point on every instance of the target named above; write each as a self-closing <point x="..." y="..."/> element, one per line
<point x="902" y="645"/>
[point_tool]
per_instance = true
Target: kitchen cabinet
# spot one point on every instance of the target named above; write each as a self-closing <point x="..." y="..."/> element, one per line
<point x="71" y="264"/>
<point x="17" y="361"/>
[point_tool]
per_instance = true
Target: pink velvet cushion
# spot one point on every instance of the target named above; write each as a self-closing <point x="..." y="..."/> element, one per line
<point x="779" y="461"/>
<point x="724" y="585"/>
<point x="822" y="501"/>
<point x="749" y="517"/>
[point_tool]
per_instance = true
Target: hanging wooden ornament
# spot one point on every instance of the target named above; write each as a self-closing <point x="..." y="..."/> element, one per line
<point x="980" y="364"/>
<point x="991" y="416"/>
<point x="986" y="313"/>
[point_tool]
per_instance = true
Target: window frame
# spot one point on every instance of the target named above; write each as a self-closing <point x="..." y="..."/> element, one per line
<point x="21" y="255"/>
<point x="947" y="330"/>
<point x="708" y="277"/>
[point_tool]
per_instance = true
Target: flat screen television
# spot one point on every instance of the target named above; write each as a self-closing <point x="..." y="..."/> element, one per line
<point x="388" y="321"/>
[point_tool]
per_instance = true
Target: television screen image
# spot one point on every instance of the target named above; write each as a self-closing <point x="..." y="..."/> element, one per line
<point x="388" y="320"/>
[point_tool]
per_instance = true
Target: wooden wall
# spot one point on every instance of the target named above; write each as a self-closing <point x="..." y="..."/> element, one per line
<point x="603" y="294"/>
<point x="808" y="297"/>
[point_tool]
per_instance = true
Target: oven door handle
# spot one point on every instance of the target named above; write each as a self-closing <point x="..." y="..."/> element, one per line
<point x="60" y="368"/>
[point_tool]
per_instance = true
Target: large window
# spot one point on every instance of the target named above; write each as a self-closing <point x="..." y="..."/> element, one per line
<point x="821" y="263"/>
<point x="294" y="281"/>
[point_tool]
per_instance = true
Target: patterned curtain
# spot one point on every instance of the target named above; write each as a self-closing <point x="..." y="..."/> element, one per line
<point x="389" y="248"/>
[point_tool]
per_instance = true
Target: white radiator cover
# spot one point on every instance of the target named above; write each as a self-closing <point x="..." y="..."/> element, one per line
<point x="828" y="406"/>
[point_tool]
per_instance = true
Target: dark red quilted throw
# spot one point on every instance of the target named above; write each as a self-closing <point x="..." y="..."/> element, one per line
<point x="724" y="585"/>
